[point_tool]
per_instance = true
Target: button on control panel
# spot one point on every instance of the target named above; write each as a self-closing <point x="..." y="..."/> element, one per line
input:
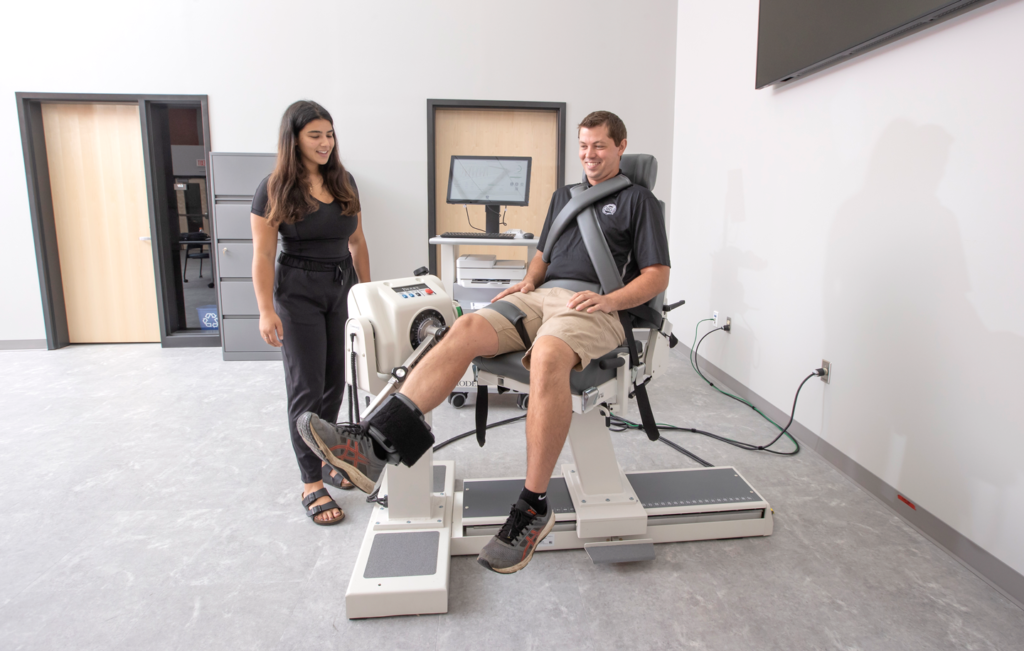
<point x="413" y="291"/>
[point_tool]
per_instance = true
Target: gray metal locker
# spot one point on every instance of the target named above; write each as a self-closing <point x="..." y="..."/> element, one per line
<point x="234" y="178"/>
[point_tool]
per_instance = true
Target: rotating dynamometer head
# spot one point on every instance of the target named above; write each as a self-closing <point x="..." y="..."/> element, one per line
<point x="424" y="325"/>
<point x="401" y="314"/>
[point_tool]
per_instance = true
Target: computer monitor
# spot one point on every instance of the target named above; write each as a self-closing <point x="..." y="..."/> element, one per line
<point x="493" y="181"/>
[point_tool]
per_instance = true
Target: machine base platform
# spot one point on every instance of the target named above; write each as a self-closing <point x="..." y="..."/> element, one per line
<point x="402" y="567"/>
<point x="681" y="505"/>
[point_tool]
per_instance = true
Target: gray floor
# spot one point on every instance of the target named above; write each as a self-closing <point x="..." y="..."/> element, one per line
<point x="149" y="500"/>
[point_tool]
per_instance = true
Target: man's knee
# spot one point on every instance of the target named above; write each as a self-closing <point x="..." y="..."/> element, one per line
<point x="552" y="356"/>
<point x="474" y="334"/>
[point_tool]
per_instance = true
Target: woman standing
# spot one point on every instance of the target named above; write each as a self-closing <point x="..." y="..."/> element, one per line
<point x="313" y="203"/>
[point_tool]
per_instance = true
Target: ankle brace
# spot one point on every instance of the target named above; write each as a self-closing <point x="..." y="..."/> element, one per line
<point x="400" y="428"/>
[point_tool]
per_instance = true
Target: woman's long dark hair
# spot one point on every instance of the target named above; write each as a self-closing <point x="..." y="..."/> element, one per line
<point x="288" y="188"/>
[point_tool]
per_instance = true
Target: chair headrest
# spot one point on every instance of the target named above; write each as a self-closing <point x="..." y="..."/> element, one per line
<point x="641" y="169"/>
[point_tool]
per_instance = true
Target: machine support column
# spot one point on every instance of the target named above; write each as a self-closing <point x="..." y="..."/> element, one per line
<point x="409" y="488"/>
<point x="591" y="445"/>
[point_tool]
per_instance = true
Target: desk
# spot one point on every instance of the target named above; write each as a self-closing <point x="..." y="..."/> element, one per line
<point x="450" y="253"/>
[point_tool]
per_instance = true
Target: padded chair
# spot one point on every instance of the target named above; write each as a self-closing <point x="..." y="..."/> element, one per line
<point x="602" y="496"/>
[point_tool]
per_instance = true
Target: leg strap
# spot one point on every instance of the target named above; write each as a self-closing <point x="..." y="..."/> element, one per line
<point x="515" y="316"/>
<point x="481" y="414"/>
<point x="400" y="428"/>
<point x="643" y="403"/>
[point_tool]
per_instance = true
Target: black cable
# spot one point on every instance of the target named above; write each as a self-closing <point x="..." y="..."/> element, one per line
<point x="354" y="387"/>
<point x="621" y="424"/>
<point x="792" y="414"/>
<point x="679" y="448"/>
<point x="471" y="221"/>
<point x="459" y="437"/>
<point x="695" y="363"/>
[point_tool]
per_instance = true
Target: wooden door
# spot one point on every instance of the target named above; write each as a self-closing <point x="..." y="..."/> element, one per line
<point x="98" y="183"/>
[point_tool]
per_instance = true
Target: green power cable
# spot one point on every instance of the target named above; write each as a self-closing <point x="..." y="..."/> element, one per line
<point x="693" y="348"/>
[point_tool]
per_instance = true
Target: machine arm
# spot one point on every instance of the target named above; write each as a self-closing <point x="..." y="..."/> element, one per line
<point x="399" y="373"/>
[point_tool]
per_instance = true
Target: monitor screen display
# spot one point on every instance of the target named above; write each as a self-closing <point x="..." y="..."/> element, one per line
<point x="499" y="180"/>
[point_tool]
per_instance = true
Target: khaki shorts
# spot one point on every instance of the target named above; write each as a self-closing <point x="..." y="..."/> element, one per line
<point x="589" y="335"/>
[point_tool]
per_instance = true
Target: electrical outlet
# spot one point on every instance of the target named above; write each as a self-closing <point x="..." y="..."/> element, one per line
<point x="714" y="316"/>
<point x="827" y="365"/>
<point x="728" y="324"/>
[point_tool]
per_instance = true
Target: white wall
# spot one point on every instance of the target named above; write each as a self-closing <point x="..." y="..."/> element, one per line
<point x="871" y="215"/>
<point x="373" y="65"/>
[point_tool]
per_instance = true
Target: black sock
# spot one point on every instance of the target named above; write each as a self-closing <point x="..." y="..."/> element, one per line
<point x="539" y="501"/>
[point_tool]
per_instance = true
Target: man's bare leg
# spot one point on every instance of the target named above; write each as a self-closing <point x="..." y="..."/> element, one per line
<point x="434" y="378"/>
<point x="547" y="420"/>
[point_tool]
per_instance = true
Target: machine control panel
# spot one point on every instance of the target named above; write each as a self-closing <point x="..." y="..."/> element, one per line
<point x="413" y="291"/>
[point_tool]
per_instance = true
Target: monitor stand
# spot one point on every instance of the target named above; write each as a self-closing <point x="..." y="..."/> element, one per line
<point x="493" y="213"/>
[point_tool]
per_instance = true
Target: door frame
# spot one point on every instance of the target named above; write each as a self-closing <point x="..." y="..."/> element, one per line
<point x="44" y="232"/>
<point x="558" y="108"/>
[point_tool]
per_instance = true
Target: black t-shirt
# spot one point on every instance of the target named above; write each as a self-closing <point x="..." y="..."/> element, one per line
<point x="321" y="235"/>
<point x="633" y="225"/>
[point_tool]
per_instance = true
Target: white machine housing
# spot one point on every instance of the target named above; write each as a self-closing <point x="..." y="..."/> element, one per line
<point x="386" y="319"/>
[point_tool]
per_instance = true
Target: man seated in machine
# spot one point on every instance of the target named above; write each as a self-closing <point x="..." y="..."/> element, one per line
<point x="567" y="330"/>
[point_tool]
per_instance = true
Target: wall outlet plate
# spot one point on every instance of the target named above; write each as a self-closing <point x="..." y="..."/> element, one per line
<point x="714" y="316"/>
<point x="728" y="323"/>
<point x="827" y="365"/>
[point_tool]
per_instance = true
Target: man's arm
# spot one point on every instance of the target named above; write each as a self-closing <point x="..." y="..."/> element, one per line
<point x="652" y="281"/>
<point x="534" y="276"/>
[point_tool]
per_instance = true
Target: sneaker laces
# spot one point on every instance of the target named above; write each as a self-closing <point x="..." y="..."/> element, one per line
<point x="354" y="431"/>
<point x="513" y="528"/>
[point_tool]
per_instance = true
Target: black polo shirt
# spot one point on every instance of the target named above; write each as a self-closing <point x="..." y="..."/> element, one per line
<point x="633" y="225"/>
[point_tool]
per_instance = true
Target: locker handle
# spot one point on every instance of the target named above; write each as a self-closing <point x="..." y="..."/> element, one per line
<point x="145" y="238"/>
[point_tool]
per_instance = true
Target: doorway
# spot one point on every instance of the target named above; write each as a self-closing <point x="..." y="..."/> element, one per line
<point x="119" y="246"/>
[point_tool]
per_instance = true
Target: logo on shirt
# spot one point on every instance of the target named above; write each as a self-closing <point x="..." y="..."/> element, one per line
<point x="609" y="209"/>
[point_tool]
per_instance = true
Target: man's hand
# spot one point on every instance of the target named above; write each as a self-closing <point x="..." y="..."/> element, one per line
<point x="524" y="286"/>
<point x="591" y="301"/>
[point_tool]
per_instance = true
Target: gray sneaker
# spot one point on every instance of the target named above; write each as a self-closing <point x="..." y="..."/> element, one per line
<point x="518" y="538"/>
<point x="345" y="447"/>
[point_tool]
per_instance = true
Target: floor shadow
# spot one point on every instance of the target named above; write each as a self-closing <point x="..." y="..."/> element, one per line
<point x="923" y="393"/>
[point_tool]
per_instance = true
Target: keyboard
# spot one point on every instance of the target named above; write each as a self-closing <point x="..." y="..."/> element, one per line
<point x="482" y="236"/>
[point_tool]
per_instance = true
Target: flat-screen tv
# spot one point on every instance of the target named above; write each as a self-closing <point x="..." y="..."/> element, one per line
<point x="796" y="38"/>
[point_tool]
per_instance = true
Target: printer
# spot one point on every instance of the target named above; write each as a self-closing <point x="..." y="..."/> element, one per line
<point x="480" y="277"/>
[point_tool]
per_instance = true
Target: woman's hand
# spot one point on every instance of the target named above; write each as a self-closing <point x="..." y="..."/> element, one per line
<point x="591" y="301"/>
<point x="271" y="329"/>
<point x="524" y="286"/>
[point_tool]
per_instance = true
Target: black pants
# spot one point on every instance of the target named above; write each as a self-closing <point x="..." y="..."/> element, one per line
<point x="312" y="305"/>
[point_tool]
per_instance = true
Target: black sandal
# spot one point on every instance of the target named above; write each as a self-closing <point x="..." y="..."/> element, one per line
<point x="336" y="478"/>
<point x="320" y="508"/>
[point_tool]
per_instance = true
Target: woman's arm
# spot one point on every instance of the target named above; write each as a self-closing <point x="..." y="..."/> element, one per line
<point x="264" y="245"/>
<point x="360" y="253"/>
